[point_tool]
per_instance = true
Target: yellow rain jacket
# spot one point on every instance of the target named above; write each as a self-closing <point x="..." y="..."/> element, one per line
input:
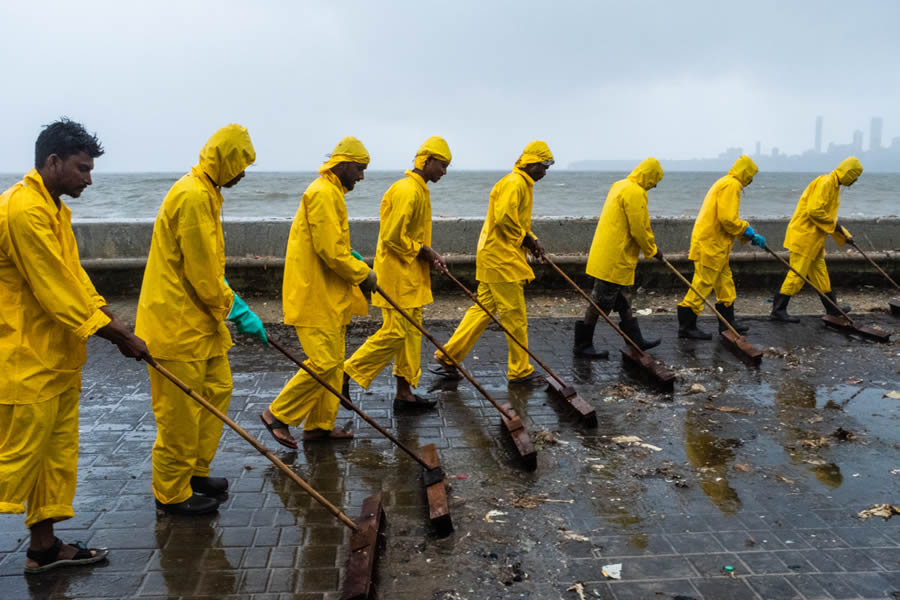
<point x="623" y="230"/>
<point x="184" y="299"/>
<point x="320" y="276"/>
<point x="719" y="221"/>
<point x="405" y="228"/>
<point x="816" y="213"/>
<point x="48" y="305"/>
<point x="500" y="255"/>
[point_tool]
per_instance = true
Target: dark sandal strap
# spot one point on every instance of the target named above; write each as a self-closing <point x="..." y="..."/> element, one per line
<point x="275" y="424"/>
<point x="47" y="555"/>
<point x="82" y="551"/>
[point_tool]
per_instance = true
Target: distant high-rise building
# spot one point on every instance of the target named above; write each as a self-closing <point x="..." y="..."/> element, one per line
<point x="857" y="141"/>
<point x="818" y="134"/>
<point x="875" y="134"/>
<point x="758" y="147"/>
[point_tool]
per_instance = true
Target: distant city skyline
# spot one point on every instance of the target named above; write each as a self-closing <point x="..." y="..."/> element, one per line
<point x="878" y="158"/>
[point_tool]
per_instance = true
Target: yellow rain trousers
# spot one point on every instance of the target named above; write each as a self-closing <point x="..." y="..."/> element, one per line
<point x="814" y="219"/>
<point x="405" y="228"/>
<point x="48" y="309"/>
<point x="188" y="434"/>
<point x="507" y="299"/>
<point x="716" y="227"/>
<point x="623" y="231"/>
<point x="812" y="268"/>
<point x="39" y="457"/>
<point x="396" y="340"/>
<point x="181" y="313"/>
<point x="303" y="400"/>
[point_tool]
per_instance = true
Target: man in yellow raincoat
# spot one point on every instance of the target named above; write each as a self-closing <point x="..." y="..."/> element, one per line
<point x="716" y="227"/>
<point x="48" y="309"/>
<point x="403" y="259"/>
<point x="502" y="269"/>
<point x="320" y="294"/>
<point x="814" y="219"/>
<point x="182" y="309"/>
<point x="622" y="233"/>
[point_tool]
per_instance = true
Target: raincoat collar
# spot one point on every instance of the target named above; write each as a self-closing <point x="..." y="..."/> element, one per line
<point x="417" y="178"/>
<point x="34" y="180"/>
<point x="215" y="193"/>
<point x="334" y="180"/>
<point x="525" y="176"/>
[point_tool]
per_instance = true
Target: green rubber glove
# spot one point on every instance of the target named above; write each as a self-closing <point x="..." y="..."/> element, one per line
<point x="246" y="321"/>
<point x="357" y="255"/>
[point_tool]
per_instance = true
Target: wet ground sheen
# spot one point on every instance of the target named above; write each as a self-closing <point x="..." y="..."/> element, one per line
<point x="762" y="470"/>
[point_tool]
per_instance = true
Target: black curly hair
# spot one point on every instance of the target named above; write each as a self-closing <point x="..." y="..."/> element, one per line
<point x="65" y="138"/>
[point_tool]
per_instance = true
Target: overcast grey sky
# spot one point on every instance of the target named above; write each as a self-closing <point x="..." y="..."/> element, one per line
<point x="597" y="80"/>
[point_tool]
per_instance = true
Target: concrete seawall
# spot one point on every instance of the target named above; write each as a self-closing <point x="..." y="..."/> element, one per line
<point x="114" y="252"/>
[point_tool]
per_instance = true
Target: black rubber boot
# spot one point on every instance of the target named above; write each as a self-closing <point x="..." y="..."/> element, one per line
<point x="687" y="325"/>
<point x="728" y="313"/>
<point x="195" y="505"/>
<point x="209" y="486"/>
<point x="584" y="342"/>
<point x="829" y="309"/>
<point x="779" y="309"/>
<point x="632" y="330"/>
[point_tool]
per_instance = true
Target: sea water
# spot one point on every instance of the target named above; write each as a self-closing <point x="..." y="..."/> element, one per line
<point x="465" y="194"/>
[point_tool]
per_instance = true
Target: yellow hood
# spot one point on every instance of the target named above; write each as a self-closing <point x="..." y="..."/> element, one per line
<point x="228" y="152"/>
<point x="348" y="149"/>
<point x="849" y="170"/>
<point x="535" y="152"/>
<point x="647" y="174"/>
<point x="435" y="146"/>
<point x="744" y="170"/>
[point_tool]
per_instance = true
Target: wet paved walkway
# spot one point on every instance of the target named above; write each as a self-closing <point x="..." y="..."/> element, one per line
<point x="771" y="486"/>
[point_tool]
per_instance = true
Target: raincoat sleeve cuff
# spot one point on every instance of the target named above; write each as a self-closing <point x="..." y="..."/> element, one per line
<point x="90" y="327"/>
<point x="839" y="236"/>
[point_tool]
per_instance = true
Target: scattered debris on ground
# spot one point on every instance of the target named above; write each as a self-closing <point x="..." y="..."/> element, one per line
<point x="729" y="409"/>
<point x="885" y="511"/>
<point x="613" y="571"/>
<point x="634" y="440"/>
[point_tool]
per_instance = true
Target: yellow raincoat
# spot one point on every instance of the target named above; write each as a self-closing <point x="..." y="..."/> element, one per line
<point x="623" y="230"/>
<point x="814" y="219"/>
<point x="321" y="293"/>
<point x="816" y="214"/>
<point x="405" y="228"/>
<point x="48" y="305"/>
<point x="184" y="298"/>
<point x="48" y="309"/>
<point x="719" y="221"/>
<point x="500" y="256"/>
<point x="715" y="229"/>
<point x="320" y="276"/>
<point x="501" y="266"/>
<point x="181" y="314"/>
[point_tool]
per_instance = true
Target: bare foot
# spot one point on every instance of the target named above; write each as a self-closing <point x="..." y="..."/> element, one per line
<point x="314" y="435"/>
<point x="282" y="435"/>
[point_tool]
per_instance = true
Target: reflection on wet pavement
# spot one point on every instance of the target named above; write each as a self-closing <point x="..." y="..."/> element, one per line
<point x="764" y="472"/>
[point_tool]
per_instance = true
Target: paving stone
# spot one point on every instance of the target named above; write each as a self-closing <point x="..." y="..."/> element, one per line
<point x="270" y="540"/>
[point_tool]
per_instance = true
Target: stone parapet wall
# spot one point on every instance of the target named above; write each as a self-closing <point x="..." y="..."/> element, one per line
<point x="114" y="252"/>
